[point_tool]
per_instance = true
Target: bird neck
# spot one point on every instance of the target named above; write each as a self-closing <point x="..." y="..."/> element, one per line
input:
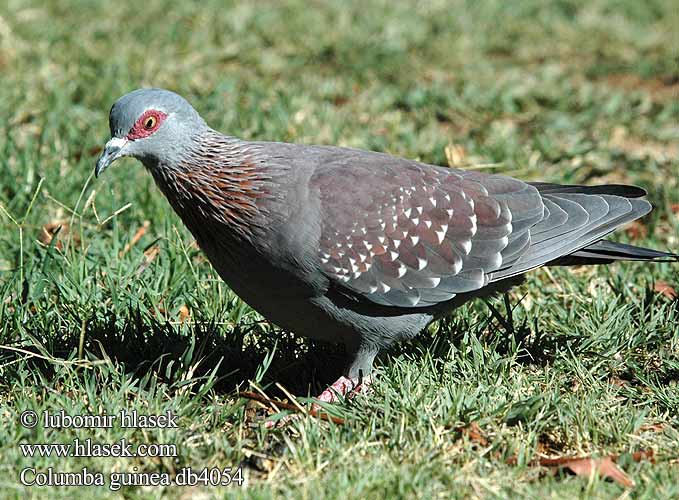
<point x="219" y="184"/>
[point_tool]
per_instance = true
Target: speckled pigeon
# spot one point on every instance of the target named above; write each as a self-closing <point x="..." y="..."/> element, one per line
<point x="359" y="247"/>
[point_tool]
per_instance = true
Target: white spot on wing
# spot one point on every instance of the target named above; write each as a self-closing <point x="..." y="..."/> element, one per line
<point x="441" y="233"/>
<point x="414" y="240"/>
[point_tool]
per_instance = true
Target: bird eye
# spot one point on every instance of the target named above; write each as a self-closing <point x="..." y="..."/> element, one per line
<point x="150" y="122"/>
<point x="146" y="124"/>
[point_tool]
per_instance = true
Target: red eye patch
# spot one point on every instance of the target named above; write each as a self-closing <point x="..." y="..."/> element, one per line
<point x="146" y="124"/>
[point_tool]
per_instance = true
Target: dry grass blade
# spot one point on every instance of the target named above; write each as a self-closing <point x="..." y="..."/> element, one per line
<point x="287" y="406"/>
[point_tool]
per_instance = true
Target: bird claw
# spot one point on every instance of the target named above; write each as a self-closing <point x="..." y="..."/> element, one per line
<point x="343" y="387"/>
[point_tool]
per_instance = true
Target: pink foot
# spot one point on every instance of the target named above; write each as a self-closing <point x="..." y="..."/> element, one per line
<point x="342" y="387"/>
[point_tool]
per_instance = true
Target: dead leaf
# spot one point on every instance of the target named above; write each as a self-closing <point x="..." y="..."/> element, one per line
<point x="604" y="467"/>
<point x="474" y="433"/>
<point x="617" y="381"/>
<point x="636" y="230"/>
<point x="664" y="288"/>
<point x="314" y="412"/>
<point x="456" y="155"/>
<point x="657" y="427"/>
<point x="135" y="239"/>
<point x="149" y="256"/>
<point x="56" y="230"/>
<point x="657" y="88"/>
<point x="184" y="314"/>
<point x="340" y="100"/>
<point x="643" y="455"/>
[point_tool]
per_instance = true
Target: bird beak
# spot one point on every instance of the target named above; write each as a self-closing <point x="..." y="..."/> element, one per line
<point x="112" y="151"/>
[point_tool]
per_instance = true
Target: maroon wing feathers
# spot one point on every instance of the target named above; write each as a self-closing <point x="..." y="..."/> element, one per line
<point x="410" y="235"/>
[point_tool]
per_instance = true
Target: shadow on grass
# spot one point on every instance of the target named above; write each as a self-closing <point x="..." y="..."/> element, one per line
<point x="144" y="344"/>
<point x="499" y="331"/>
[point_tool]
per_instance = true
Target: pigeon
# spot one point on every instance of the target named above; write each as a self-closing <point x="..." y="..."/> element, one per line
<point x="356" y="247"/>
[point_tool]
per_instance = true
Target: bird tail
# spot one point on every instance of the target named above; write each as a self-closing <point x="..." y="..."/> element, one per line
<point x="605" y="252"/>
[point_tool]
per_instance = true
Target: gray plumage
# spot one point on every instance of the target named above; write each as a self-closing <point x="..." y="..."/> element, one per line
<point x="359" y="247"/>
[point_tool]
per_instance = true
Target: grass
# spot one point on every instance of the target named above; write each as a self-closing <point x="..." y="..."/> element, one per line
<point x="97" y="316"/>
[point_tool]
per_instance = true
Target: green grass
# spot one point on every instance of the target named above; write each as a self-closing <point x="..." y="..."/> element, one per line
<point x="567" y="91"/>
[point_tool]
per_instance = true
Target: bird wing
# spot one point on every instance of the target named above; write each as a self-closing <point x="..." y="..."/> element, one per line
<point x="405" y="234"/>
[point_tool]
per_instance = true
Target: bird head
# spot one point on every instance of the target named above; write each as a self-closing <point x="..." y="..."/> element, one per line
<point x="151" y="125"/>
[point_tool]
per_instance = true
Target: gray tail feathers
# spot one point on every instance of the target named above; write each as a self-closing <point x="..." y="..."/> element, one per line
<point x="605" y="252"/>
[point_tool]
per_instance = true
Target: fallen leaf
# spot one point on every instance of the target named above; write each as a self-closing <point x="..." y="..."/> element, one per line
<point x="137" y="236"/>
<point x="56" y="230"/>
<point x="184" y="313"/>
<point x="664" y="288"/>
<point x="604" y="467"/>
<point x="617" y="381"/>
<point x="636" y="230"/>
<point x="658" y="427"/>
<point x="456" y="155"/>
<point x="643" y="455"/>
<point x="149" y="256"/>
<point x="474" y="433"/>
<point x="340" y="100"/>
<point x="314" y="412"/>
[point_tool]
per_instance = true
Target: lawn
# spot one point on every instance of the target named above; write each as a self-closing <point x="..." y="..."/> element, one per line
<point x="107" y="304"/>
